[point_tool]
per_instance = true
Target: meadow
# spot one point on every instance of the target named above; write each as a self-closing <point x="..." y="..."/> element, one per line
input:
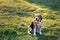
<point x="16" y="15"/>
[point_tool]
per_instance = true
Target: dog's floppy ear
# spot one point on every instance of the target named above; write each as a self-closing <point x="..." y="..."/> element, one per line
<point x="40" y="17"/>
<point x="34" y="15"/>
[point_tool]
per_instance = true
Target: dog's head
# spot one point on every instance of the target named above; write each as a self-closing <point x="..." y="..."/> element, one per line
<point x="38" y="17"/>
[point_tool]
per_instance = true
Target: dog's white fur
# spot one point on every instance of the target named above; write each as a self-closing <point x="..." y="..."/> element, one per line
<point x="37" y="27"/>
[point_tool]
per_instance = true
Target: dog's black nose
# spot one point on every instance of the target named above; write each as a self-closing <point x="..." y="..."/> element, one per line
<point x="36" y="18"/>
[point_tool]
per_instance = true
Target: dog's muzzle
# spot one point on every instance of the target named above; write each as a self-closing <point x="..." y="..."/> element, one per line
<point x="36" y="18"/>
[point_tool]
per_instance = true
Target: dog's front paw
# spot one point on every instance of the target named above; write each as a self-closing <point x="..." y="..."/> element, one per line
<point x="40" y="32"/>
<point x="34" y="34"/>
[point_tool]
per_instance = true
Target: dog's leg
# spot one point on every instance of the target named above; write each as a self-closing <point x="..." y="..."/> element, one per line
<point x="34" y="31"/>
<point x="37" y="29"/>
<point x="29" y="29"/>
<point x="40" y="30"/>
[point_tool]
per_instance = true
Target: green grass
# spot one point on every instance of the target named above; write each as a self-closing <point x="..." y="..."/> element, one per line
<point x="52" y="4"/>
<point x="16" y="15"/>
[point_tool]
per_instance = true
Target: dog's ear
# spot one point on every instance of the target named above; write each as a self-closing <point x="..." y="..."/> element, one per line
<point x="34" y="15"/>
<point x="40" y="17"/>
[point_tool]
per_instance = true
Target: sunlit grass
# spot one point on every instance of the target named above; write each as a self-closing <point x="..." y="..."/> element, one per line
<point x="16" y="15"/>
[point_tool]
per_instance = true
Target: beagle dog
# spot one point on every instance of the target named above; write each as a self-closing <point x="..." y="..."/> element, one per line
<point x="35" y="25"/>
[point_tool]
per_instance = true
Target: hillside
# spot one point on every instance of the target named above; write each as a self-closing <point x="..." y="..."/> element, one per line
<point x="16" y="15"/>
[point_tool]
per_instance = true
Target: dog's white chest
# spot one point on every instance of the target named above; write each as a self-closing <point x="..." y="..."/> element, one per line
<point x="38" y="23"/>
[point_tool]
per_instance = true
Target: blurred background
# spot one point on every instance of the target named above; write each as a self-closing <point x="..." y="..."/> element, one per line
<point x="16" y="15"/>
